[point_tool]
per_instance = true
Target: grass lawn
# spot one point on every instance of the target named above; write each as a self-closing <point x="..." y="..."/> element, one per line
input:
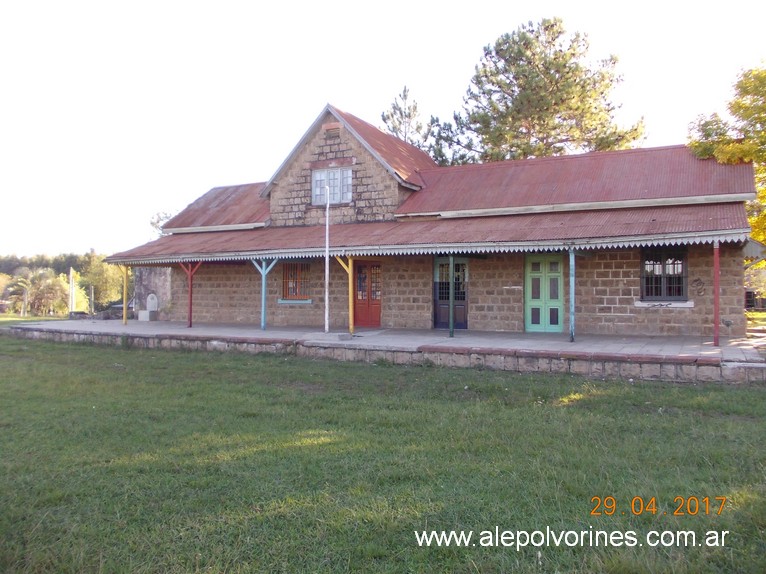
<point x="126" y="460"/>
<point x="756" y="318"/>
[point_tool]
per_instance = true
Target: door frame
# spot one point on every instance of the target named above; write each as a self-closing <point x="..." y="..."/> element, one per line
<point x="546" y="302"/>
<point x="463" y="304"/>
<point x="365" y="322"/>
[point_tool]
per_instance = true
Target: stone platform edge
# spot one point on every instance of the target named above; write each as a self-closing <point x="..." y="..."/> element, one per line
<point x="682" y="369"/>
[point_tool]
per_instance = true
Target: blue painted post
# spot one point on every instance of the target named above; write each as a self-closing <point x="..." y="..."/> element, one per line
<point x="264" y="267"/>
<point x="571" y="295"/>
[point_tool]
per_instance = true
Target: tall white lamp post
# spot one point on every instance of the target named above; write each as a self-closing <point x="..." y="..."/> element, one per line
<point x="327" y="261"/>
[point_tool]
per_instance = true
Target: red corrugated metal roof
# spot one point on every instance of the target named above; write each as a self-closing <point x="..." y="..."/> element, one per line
<point x="679" y="224"/>
<point x="630" y="197"/>
<point x="406" y="159"/>
<point x="228" y="205"/>
<point x="628" y="175"/>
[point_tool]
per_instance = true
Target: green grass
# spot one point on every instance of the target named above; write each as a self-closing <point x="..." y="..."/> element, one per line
<point x="756" y="318"/>
<point x="126" y="460"/>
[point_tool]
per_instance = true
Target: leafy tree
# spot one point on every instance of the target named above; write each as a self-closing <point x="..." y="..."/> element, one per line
<point x="755" y="279"/>
<point x="59" y="263"/>
<point x="106" y="280"/>
<point x="44" y="292"/>
<point x="5" y="280"/>
<point x="90" y="271"/>
<point x="9" y="263"/>
<point x="39" y="292"/>
<point x="49" y="294"/>
<point x="18" y="292"/>
<point x="742" y="138"/>
<point x="403" y="121"/>
<point x="533" y="94"/>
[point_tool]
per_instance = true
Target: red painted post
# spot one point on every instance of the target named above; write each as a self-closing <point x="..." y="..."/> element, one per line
<point x="190" y="271"/>
<point x="716" y="294"/>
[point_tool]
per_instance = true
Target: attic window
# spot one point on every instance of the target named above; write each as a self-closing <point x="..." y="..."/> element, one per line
<point x="331" y="130"/>
<point x="337" y="181"/>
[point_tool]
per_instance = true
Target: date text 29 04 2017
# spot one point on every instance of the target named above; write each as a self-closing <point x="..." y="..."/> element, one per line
<point x="638" y="505"/>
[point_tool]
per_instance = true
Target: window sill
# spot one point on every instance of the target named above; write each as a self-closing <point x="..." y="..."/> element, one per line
<point x="295" y="301"/>
<point x="659" y="304"/>
<point x="324" y="206"/>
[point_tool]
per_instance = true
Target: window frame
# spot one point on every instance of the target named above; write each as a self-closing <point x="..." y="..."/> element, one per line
<point x="296" y="288"/>
<point x="338" y="179"/>
<point x="663" y="260"/>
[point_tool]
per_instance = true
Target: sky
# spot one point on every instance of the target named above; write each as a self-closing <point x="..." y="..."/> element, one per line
<point x="111" y="112"/>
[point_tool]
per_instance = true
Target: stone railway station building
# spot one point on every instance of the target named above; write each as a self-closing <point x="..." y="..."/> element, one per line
<point x="635" y="242"/>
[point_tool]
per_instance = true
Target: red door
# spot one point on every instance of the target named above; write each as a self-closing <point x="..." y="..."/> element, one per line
<point x="367" y="298"/>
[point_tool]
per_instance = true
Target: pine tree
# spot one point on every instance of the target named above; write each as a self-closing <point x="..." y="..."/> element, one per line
<point x="403" y="121"/>
<point x="534" y="95"/>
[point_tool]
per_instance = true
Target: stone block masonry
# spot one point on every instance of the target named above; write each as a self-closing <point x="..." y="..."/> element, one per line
<point x="628" y="367"/>
<point x="376" y="193"/>
<point x="608" y="285"/>
<point x="607" y="295"/>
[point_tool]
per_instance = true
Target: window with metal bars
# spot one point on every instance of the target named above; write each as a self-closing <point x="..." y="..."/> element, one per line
<point x="295" y="280"/>
<point x="460" y="276"/>
<point x="664" y="275"/>
<point x="375" y="282"/>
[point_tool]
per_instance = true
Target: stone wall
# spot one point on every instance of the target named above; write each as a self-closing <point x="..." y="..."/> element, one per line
<point x="154" y="280"/>
<point x="309" y="314"/>
<point x="407" y="299"/>
<point x="375" y="197"/>
<point x="600" y="366"/>
<point x="223" y="293"/>
<point x="231" y="293"/>
<point x="608" y="284"/>
<point x="496" y="293"/>
<point x="606" y="291"/>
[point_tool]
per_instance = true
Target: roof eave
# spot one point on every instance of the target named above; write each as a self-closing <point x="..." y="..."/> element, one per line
<point x="687" y="238"/>
<point x="209" y="228"/>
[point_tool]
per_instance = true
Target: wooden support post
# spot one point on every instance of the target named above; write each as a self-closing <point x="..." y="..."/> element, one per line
<point x="716" y="294"/>
<point x="263" y="267"/>
<point x="190" y="269"/>
<point x="351" y="295"/>
<point x="349" y="268"/>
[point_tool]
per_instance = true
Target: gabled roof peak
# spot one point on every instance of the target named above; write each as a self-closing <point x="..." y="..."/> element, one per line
<point x="402" y="160"/>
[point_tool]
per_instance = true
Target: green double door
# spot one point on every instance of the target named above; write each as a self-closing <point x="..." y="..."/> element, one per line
<point x="544" y="294"/>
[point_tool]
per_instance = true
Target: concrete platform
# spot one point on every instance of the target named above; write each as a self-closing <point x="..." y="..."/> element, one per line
<point x="681" y="359"/>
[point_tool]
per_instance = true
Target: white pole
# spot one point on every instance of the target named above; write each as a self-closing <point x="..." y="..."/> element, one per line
<point x="327" y="261"/>
<point x="72" y="294"/>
